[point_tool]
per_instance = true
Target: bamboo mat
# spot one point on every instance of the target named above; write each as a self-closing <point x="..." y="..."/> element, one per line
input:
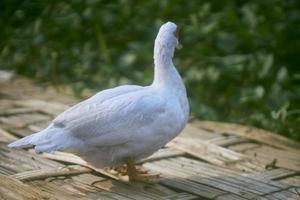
<point x="209" y="160"/>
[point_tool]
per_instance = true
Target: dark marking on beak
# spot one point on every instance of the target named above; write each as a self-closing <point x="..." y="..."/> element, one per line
<point x="176" y="33"/>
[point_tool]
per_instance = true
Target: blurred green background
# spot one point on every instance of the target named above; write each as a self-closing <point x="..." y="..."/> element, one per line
<point x="240" y="60"/>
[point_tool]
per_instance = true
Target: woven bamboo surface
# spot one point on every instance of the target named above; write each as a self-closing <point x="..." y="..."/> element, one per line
<point x="209" y="160"/>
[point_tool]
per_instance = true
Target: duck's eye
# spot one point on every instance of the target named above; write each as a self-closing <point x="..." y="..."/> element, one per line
<point x="176" y="33"/>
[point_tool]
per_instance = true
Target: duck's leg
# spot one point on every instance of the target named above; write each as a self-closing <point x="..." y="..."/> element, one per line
<point x="139" y="175"/>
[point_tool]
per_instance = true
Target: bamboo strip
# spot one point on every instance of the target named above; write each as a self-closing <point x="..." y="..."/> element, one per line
<point x="46" y="173"/>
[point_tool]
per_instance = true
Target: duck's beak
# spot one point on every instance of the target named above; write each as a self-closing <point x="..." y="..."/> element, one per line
<point x="179" y="46"/>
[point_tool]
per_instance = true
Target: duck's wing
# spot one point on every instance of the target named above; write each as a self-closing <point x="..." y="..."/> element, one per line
<point x="89" y="104"/>
<point x="113" y="121"/>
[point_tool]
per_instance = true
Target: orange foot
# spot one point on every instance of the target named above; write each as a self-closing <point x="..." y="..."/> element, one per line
<point x="139" y="174"/>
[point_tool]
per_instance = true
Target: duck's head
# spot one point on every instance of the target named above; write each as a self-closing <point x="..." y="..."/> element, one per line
<point x="167" y="39"/>
<point x="168" y="35"/>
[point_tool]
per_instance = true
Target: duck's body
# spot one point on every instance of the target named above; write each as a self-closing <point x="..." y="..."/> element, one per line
<point x="124" y="122"/>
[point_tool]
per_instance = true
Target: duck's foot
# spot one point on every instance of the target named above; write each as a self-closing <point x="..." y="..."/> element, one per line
<point x="120" y="170"/>
<point x="140" y="174"/>
<point x="145" y="178"/>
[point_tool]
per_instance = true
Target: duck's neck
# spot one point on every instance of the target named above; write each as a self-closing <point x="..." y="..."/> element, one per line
<point x="165" y="72"/>
<point x="166" y="76"/>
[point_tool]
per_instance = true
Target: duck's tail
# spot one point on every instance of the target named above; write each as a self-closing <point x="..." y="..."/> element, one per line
<point x="23" y="143"/>
<point x="48" y="140"/>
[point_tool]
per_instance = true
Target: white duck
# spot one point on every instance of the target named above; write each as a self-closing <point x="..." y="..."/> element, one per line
<point x="126" y="123"/>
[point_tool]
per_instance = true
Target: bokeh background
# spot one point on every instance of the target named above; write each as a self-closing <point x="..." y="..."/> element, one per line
<point x="240" y="60"/>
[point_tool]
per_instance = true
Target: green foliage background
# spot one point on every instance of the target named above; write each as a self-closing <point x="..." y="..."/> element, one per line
<point x="240" y="60"/>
